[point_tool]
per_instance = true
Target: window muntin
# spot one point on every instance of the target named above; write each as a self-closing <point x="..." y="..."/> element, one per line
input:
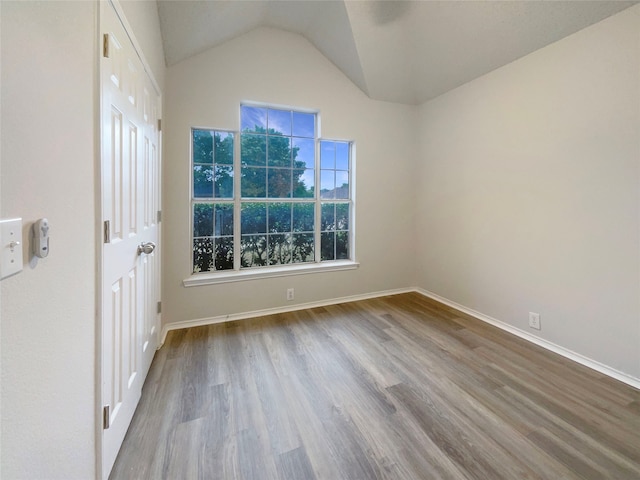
<point x="212" y="164"/>
<point x="213" y="178"/>
<point x="334" y="170"/>
<point x="276" y="233"/>
<point x="334" y="231"/>
<point x="212" y="236"/>
<point x="277" y="153"/>
<point x="277" y="216"/>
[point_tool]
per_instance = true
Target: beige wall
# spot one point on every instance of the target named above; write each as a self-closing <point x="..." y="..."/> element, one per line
<point x="48" y="170"/>
<point x="529" y="193"/>
<point x="276" y="67"/>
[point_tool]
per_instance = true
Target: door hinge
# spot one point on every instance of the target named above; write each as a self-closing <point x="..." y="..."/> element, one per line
<point x="107" y="232"/>
<point x="159" y="216"/>
<point x="159" y="307"/>
<point x="105" y="45"/>
<point x="106" y="414"/>
<point x="159" y="124"/>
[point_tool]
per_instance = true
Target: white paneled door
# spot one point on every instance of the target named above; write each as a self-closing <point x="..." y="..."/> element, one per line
<point x="130" y="109"/>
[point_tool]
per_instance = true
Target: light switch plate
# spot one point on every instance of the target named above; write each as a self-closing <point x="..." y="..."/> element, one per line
<point x="11" y="245"/>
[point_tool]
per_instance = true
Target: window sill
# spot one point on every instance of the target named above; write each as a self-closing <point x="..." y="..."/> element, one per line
<point x="267" y="272"/>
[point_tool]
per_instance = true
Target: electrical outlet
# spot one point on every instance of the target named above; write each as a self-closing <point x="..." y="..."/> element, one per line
<point x="534" y="320"/>
<point x="289" y="293"/>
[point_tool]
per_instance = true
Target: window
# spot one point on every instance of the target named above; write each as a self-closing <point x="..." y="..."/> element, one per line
<point x="213" y="207"/>
<point x="272" y="195"/>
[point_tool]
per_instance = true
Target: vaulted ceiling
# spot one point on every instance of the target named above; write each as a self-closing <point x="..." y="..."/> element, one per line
<point x="398" y="51"/>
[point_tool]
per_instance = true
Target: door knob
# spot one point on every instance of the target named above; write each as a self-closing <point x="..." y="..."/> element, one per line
<point x="146" y="248"/>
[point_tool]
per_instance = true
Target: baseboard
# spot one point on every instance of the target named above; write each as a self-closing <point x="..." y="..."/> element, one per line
<point x="273" y="311"/>
<point x="576" y="357"/>
<point x="571" y="355"/>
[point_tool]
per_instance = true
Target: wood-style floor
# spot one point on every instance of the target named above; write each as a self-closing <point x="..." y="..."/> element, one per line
<point x="398" y="387"/>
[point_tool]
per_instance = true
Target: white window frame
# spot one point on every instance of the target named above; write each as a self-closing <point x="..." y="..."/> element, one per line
<point x="251" y="273"/>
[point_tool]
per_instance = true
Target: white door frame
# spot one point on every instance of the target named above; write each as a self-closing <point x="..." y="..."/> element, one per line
<point x="101" y="6"/>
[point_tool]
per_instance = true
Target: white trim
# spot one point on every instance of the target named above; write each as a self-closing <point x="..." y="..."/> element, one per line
<point x="571" y="355"/>
<point x="136" y="45"/>
<point x="103" y="6"/>
<point x="237" y="273"/>
<point x="272" y="311"/>
<point x="267" y="272"/>
<point x="576" y="357"/>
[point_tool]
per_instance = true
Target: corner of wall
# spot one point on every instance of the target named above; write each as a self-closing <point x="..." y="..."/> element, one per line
<point x="529" y="201"/>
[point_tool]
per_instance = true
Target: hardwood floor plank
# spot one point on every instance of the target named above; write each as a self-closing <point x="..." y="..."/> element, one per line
<point x="194" y="398"/>
<point x="340" y="369"/>
<point x="218" y="362"/>
<point x="540" y="418"/>
<point x="303" y="405"/>
<point x="283" y="433"/>
<point x="183" y="452"/>
<point x="217" y="439"/>
<point x="154" y="419"/>
<point x="571" y="413"/>
<point x="325" y="381"/>
<point x="294" y="465"/>
<point x="570" y="457"/>
<point x="393" y="388"/>
<point x="254" y="463"/>
<point x="634" y="408"/>
<point x="436" y="424"/>
<point x="568" y="394"/>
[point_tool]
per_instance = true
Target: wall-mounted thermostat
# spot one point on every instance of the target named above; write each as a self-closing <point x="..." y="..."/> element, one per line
<point x="40" y="234"/>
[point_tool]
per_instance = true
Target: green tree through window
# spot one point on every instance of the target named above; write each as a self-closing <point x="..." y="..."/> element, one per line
<point x="276" y="200"/>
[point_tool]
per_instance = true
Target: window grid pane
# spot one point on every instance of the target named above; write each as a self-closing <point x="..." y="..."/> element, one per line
<point x="213" y="171"/>
<point x="212" y="237"/>
<point x="335" y="168"/>
<point x="334" y="228"/>
<point x="277" y="196"/>
<point x="283" y="143"/>
<point x="277" y="233"/>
